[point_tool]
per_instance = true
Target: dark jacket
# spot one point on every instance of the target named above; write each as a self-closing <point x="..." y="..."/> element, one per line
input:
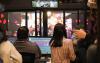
<point x="91" y="53"/>
<point x="30" y="47"/>
<point x="81" y="48"/>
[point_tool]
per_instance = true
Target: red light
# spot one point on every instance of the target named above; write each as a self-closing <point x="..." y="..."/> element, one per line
<point x="0" y="21"/>
<point x="2" y="15"/>
<point x="76" y="21"/>
<point x="4" y="21"/>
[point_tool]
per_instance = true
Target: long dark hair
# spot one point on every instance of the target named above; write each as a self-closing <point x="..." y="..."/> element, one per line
<point x="3" y="36"/>
<point x="22" y="33"/>
<point x="58" y="34"/>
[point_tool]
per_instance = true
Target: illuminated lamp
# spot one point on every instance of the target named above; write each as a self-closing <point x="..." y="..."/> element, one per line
<point x="92" y="4"/>
<point x="4" y="21"/>
<point x="76" y="21"/>
<point x="0" y="21"/>
<point x="2" y="15"/>
<point x="49" y="13"/>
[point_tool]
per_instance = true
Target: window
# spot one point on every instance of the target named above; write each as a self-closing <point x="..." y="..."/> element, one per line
<point x="15" y="20"/>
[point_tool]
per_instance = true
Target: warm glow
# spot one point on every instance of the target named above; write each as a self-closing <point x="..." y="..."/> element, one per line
<point x="67" y="14"/>
<point x="92" y="3"/>
<point x="48" y="13"/>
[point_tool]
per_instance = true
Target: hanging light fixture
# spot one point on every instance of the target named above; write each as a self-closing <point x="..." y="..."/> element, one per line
<point x="92" y="4"/>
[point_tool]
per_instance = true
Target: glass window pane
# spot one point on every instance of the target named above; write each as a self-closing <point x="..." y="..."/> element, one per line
<point x="31" y="23"/>
<point x="53" y="17"/>
<point x="15" y="20"/>
<point x="39" y="23"/>
<point x="81" y="19"/>
<point x="70" y="22"/>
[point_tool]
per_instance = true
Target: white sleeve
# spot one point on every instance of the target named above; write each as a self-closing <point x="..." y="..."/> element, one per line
<point x="5" y="55"/>
<point x="15" y="55"/>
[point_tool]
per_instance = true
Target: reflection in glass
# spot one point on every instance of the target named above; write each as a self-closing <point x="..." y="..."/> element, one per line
<point x="15" y="20"/>
<point x="41" y="24"/>
<point x="31" y="23"/>
<point x="81" y="19"/>
<point x="70" y="22"/>
<point x="54" y="17"/>
<point x="35" y="28"/>
<point x="3" y="20"/>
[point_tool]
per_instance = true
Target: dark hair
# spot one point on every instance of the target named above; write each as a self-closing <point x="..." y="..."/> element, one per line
<point x="3" y="36"/>
<point x="22" y="32"/>
<point x="58" y="34"/>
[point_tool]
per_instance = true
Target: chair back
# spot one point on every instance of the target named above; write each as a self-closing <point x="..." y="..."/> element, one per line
<point x="28" y="57"/>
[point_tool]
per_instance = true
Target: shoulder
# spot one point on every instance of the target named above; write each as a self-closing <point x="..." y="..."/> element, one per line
<point x="33" y="43"/>
<point x="67" y="41"/>
<point x="6" y="43"/>
<point x="5" y="46"/>
<point x="92" y="47"/>
<point x="9" y="43"/>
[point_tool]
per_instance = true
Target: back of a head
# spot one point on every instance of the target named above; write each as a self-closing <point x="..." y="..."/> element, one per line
<point x="59" y="30"/>
<point x="58" y="34"/>
<point x="22" y="33"/>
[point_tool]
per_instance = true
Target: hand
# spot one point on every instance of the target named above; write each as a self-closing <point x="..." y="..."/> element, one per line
<point x="80" y="34"/>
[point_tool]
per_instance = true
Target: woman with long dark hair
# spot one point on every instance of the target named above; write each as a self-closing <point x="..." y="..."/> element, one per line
<point x="8" y="52"/>
<point x="62" y="50"/>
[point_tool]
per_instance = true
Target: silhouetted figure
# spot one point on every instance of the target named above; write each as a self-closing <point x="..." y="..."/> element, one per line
<point x="24" y="45"/>
<point x="92" y="52"/>
<point x="83" y="42"/>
